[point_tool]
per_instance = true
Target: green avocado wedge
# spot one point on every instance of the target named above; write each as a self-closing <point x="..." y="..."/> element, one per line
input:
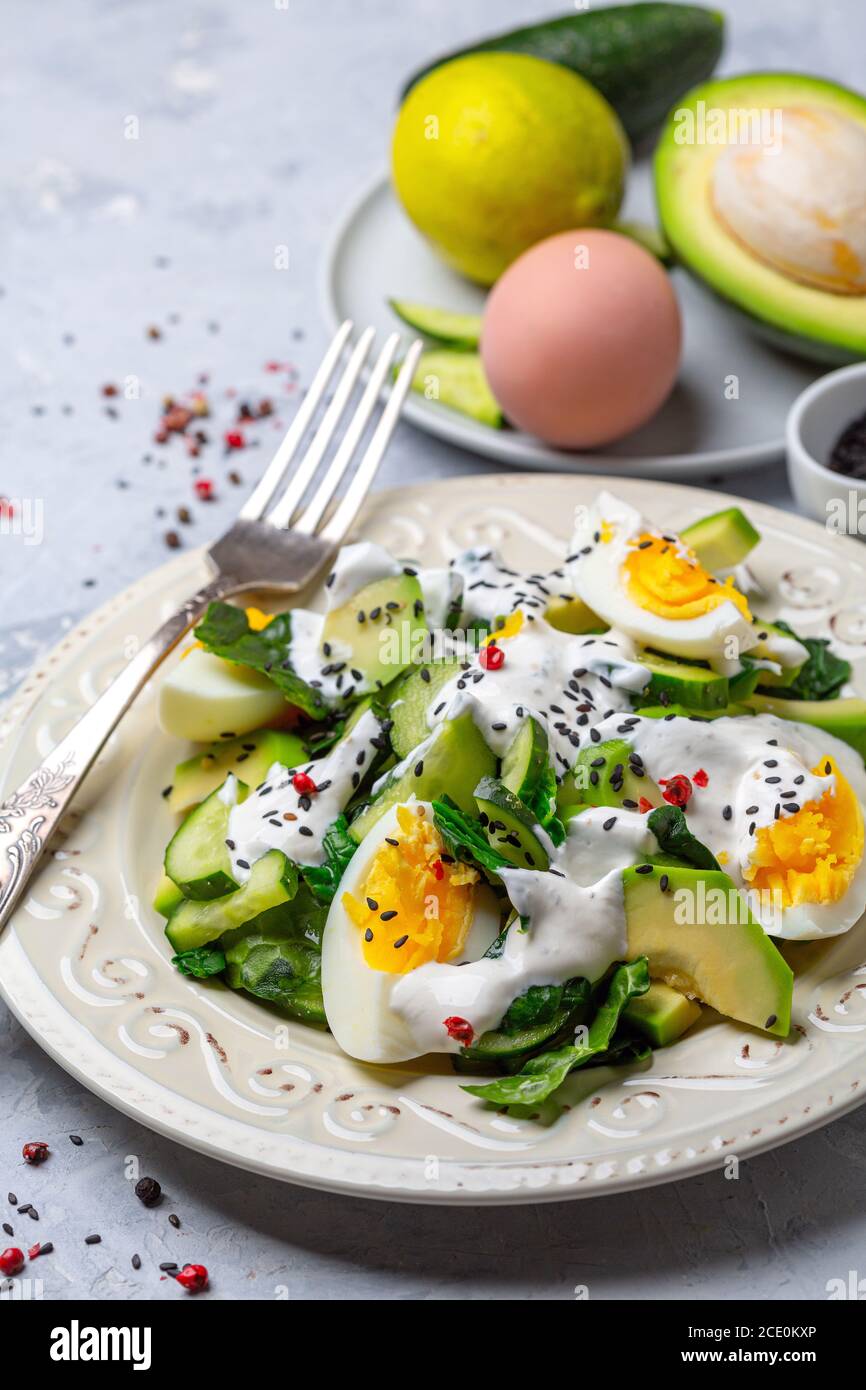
<point x="699" y="937"/>
<point x="846" y="718"/>
<point x="814" y="322"/>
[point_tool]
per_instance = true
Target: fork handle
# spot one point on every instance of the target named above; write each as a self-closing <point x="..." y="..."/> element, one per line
<point x="30" y="814"/>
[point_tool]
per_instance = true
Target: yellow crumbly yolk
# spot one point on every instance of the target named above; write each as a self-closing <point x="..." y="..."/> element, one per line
<point x="665" y="578"/>
<point x="811" y="856"/>
<point x="433" y="902"/>
<point x="256" y="619"/>
<point x="510" y="628"/>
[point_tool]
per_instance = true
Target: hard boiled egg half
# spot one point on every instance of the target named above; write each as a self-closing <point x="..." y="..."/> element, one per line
<point x="650" y="585"/>
<point x="402" y="902"/>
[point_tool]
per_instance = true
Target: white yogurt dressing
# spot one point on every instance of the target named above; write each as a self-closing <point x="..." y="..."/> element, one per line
<point x="491" y="589"/>
<point x="753" y="766"/>
<point x="568" y="683"/>
<point x="576" y="929"/>
<point x="355" y="567"/>
<point x="259" y="824"/>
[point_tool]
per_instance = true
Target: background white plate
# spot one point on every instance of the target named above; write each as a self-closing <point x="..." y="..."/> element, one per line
<point x="86" y="968"/>
<point x="378" y="255"/>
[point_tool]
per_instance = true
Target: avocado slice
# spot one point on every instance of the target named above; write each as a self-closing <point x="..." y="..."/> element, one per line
<point x="606" y="774"/>
<point x="845" y="718"/>
<point x="663" y="1014"/>
<point x="724" y="957"/>
<point x="730" y="711"/>
<point x="167" y="896"/>
<point x="452" y="760"/>
<point x="721" y="540"/>
<point x="781" y="303"/>
<point x="250" y="757"/>
<point x="456" y="378"/>
<point x="377" y="633"/>
<point x="572" y="615"/>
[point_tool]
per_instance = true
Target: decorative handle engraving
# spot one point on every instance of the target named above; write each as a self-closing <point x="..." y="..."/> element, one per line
<point x="29" y="815"/>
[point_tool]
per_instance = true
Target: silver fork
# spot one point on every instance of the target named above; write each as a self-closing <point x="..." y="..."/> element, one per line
<point x="280" y="549"/>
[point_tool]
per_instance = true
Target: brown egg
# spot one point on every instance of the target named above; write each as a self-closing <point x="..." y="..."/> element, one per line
<point x="581" y="339"/>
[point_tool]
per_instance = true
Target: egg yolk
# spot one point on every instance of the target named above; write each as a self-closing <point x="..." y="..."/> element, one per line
<point x="811" y="856"/>
<point x="665" y="578"/>
<point x="414" y="907"/>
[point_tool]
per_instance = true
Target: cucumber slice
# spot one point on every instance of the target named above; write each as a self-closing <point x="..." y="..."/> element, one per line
<point x="409" y="710"/>
<point x="167" y="896"/>
<point x="251" y="757"/>
<point x="443" y="325"/>
<point x="259" y="903"/>
<point x="510" y="826"/>
<point x="197" y="859"/>
<point x="457" y="379"/>
<point x="722" y="540"/>
<point x="525" y="761"/>
<point x="604" y="775"/>
<point x="451" y="761"/>
<point x="677" y="682"/>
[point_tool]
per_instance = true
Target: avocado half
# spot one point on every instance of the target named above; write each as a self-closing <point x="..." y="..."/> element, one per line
<point x="781" y="241"/>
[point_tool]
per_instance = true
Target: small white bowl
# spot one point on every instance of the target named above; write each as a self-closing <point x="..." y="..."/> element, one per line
<point x="816" y="420"/>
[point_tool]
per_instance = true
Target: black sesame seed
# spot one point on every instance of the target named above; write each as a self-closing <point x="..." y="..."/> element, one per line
<point x="644" y="869"/>
<point x="8" y="1229"/>
<point x="419" y="768"/>
<point x="389" y="841"/>
<point x="752" y="828"/>
<point x="305" y="830"/>
<point x="389" y="915"/>
<point x="727" y="812"/>
<point x="401" y="941"/>
<point x="243" y="864"/>
<point x="770" y="1021"/>
<point x="792" y="808"/>
<point x="76" y="1139"/>
<point x="136" y="1262"/>
<point x="752" y="810"/>
<point x="12" y="1199"/>
<point x="771" y="762"/>
<point x="169" y="1266"/>
<point x="664" y="882"/>
<point x="772" y="781"/>
<point x="93" y="1240"/>
<point x="174" y="1221"/>
<point x="368" y="934"/>
<point x="609" y="824"/>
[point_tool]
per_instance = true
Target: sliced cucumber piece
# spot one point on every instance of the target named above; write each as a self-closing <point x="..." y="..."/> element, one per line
<point x="677" y="682"/>
<point x="409" y="709"/>
<point x="259" y="903"/>
<point x="377" y="632"/>
<point x="510" y="826"/>
<point x="443" y="325"/>
<point x="197" y="859"/>
<point x="722" y="540"/>
<point x="525" y="761"/>
<point x="457" y="379"/>
<point x="167" y="896"/>
<point x="606" y="775"/>
<point x="454" y="759"/>
<point x="249" y="757"/>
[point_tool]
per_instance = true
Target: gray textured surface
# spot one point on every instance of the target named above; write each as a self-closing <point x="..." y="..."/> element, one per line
<point x="256" y="123"/>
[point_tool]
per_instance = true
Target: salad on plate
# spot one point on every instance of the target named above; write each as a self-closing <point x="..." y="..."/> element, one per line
<point x="536" y="821"/>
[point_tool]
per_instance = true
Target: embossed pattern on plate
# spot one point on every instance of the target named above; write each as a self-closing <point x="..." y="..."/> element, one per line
<point x="86" y="968"/>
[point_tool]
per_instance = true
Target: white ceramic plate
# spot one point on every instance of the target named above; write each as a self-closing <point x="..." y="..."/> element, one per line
<point x="86" y="968"/>
<point x="377" y="255"/>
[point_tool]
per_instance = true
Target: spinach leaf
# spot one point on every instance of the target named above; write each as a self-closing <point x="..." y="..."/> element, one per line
<point x="225" y="631"/>
<point x="544" y="1074"/>
<point x="669" y="826"/>
<point x="201" y="963"/>
<point x="823" y="675"/>
<point x="281" y="961"/>
<point x="465" y="839"/>
<point x="543" y="806"/>
<point x="339" y="847"/>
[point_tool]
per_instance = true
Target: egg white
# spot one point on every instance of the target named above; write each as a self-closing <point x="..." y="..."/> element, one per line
<point x="597" y="579"/>
<point x="358" y="999"/>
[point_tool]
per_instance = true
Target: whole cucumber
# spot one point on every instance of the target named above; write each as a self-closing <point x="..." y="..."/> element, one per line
<point x="640" y="57"/>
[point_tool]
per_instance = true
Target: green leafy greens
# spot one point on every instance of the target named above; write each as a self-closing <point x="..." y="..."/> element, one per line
<point x="338" y="847"/>
<point x="669" y="826"/>
<point x="465" y="839"/>
<point x="544" y="1074"/>
<point x="822" y="676"/>
<point x="201" y="963"/>
<point x="225" y="631"/>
